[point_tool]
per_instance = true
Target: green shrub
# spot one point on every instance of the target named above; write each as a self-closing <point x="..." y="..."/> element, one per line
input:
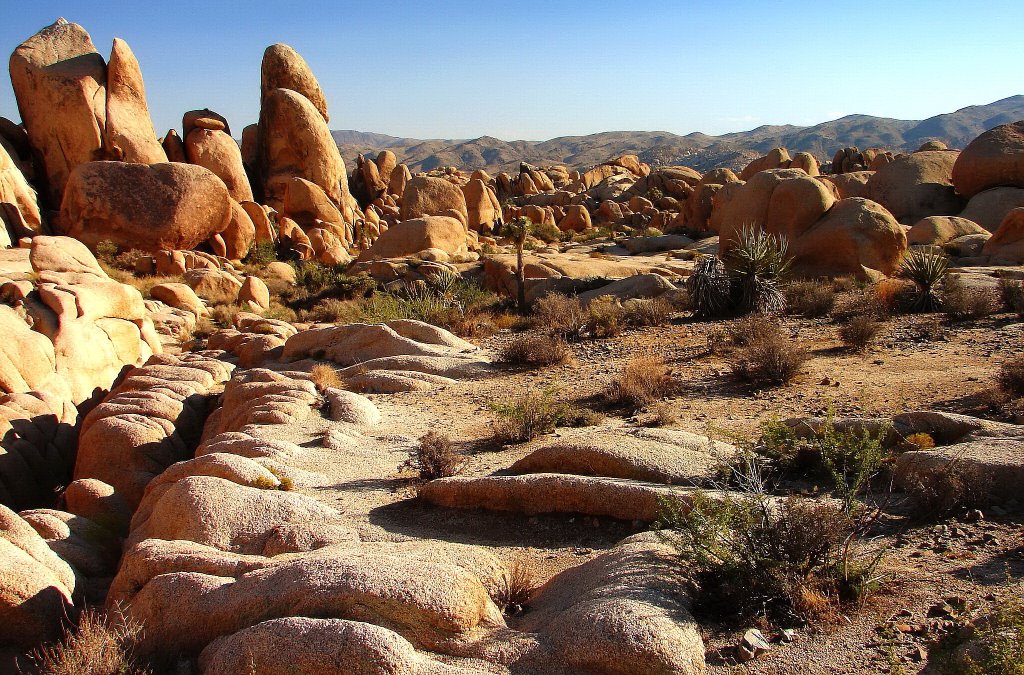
<point x="523" y="418"/>
<point x="263" y="253"/>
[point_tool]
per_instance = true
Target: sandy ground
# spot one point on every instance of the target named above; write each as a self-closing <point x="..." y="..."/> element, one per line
<point x="363" y="476"/>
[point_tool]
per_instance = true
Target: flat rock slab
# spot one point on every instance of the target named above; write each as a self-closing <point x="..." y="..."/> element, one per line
<point x="654" y="455"/>
<point x="555" y="493"/>
<point x="995" y="466"/>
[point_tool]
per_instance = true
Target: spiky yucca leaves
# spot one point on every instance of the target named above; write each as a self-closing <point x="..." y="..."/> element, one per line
<point x="926" y="267"/>
<point x="708" y="287"/>
<point x="756" y="266"/>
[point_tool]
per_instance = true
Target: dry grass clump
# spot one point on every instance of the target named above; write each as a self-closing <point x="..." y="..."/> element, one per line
<point x="961" y="303"/>
<point x="605" y="317"/>
<point x="435" y="457"/>
<point x="660" y="414"/>
<point x="936" y="492"/>
<point x="741" y="333"/>
<point x="224" y="315"/>
<point x="514" y="588"/>
<point x="1012" y="293"/>
<point x="860" y="331"/>
<point x="811" y="298"/>
<point x="100" y="645"/>
<point x="648" y="311"/>
<point x="1011" y="377"/>
<point x="560" y="315"/>
<point x="333" y="310"/>
<point x="769" y="358"/>
<point x="325" y="376"/>
<point x="523" y="418"/>
<point x="536" y="351"/>
<point x="642" y="381"/>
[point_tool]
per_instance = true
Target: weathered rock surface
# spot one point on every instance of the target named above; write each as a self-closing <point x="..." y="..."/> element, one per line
<point x="163" y="206"/>
<point x="218" y="152"/>
<point x="430" y="196"/>
<point x="916" y="186"/>
<point x="284" y="68"/>
<point x="60" y="83"/>
<point x="129" y="134"/>
<point x="354" y="343"/>
<point x="993" y="159"/>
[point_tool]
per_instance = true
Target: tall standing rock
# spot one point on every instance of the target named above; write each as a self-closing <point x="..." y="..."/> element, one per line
<point x="15" y="190"/>
<point x="284" y="68"/>
<point x="219" y="153"/>
<point x="129" y="134"/>
<point x="59" y="82"/>
<point x="295" y="142"/>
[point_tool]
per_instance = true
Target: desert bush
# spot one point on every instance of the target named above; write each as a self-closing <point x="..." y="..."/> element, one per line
<point x="769" y="359"/>
<point x="642" y="381"/>
<point x="961" y="303"/>
<point x="224" y="315"/>
<point x="514" y="588"/>
<point x="546" y="232"/>
<point x="1012" y="294"/>
<point x="756" y="265"/>
<point x="754" y="555"/>
<point x="996" y="643"/>
<point x="660" y="415"/>
<point x="316" y="278"/>
<point x="523" y="418"/>
<point x="811" y="298"/>
<point x="262" y="253"/>
<point x="452" y="303"/>
<point x="536" y="351"/>
<point x="106" y="251"/>
<point x="1011" y="376"/>
<point x="926" y="267"/>
<point x="435" y="457"/>
<point x="648" y="312"/>
<point x="938" y="491"/>
<point x="333" y="310"/>
<point x="101" y="644"/>
<point x="918" y="441"/>
<point x="560" y="315"/>
<point x="860" y="331"/>
<point x="325" y="376"/>
<point x="605" y="317"/>
<point x="575" y="415"/>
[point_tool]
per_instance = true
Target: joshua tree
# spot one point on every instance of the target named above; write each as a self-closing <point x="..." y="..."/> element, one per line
<point x="518" y="230"/>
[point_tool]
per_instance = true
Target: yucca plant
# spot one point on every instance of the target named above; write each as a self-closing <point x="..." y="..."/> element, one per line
<point x="708" y="287"/>
<point x="926" y="267"/>
<point x="756" y="266"/>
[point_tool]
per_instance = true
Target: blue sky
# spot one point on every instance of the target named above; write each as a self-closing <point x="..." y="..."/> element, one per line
<point x="522" y="69"/>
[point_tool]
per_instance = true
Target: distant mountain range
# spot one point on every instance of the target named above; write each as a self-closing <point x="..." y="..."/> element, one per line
<point x="698" y="150"/>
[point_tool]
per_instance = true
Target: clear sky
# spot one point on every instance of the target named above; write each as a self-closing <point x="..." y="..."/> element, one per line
<point x="523" y="69"/>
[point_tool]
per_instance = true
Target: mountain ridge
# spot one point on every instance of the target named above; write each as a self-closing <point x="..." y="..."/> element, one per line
<point x="701" y="151"/>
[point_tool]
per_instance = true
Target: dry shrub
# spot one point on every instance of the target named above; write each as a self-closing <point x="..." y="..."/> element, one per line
<point x="560" y="315"/>
<point x="660" y="414"/>
<point x="605" y="317"/>
<point x="753" y="558"/>
<point x="860" y="331"/>
<point x="894" y="295"/>
<point x="770" y="358"/>
<point x="936" y="492"/>
<point x="224" y="315"/>
<point x="918" y="441"/>
<point x="1011" y="377"/>
<point x="1012" y="293"/>
<point x="333" y="310"/>
<point x="961" y="303"/>
<point x="742" y="332"/>
<point x="514" y="588"/>
<point x="642" y="381"/>
<point x="100" y="645"/>
<point x="280" y="312"/>
<point x="536" y="351"/>
<point x="648" y="312"/>
<point x="435" y="457"/>
<point x="811" y="298"/>
<point x="325" y="376"/>
<point x="523" y="418"/>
